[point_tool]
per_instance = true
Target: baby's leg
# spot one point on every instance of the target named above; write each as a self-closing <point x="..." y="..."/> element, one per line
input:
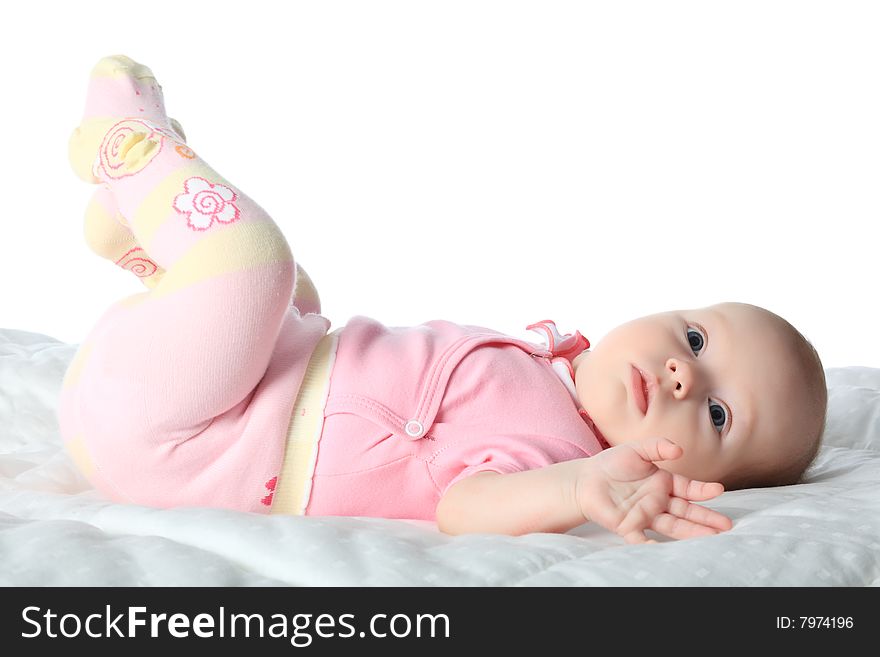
<point x="163" y="364"/>
<point x="107" y="234"/>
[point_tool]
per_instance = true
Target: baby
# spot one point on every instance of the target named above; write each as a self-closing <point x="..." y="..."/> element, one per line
<point x="222" y="385"/>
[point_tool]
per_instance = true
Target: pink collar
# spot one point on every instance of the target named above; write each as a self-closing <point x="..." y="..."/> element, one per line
<point x="565" y="345"/>
<point x="564" y="348"/>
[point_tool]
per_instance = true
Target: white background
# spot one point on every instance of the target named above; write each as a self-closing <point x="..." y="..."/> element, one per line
<point x="492" y="163"/>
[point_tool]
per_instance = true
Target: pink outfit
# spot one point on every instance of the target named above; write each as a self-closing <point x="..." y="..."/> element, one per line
<point x="413" y="410"/>
<point x="410" y="411"/>
<point x="184" y="395"/>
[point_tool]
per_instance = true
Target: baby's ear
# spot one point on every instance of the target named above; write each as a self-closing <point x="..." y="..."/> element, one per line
<point x="175" y="125"/>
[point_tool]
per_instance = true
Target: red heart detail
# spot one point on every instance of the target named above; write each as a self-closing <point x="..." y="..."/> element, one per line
<point x="271" y="483"/>
<point x="268" y="499"/>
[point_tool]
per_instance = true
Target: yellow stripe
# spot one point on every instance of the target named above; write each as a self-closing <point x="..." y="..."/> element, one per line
<point x="294" y="485"/>
<point x="118" y="66"/>
<point x="234" y="247"/>
<point x="134" y="300"/>
<point x="82" y="147"/>
<point x="77" y="450"/>
<point x="104" y="234"/>
<point x="154" y="209"/>
<point x="77" y="365"/>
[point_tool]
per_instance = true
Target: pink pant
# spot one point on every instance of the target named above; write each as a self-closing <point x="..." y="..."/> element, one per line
<point x="182" y="395"/>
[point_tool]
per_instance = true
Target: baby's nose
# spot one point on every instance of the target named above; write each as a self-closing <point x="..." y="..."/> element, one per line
<point x="682" y="377"/>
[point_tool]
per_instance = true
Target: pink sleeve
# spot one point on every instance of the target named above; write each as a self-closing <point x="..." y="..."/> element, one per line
<point x="506" y="454"/>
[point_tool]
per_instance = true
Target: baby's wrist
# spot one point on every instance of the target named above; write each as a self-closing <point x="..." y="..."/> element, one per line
<point x="584" y="487"/>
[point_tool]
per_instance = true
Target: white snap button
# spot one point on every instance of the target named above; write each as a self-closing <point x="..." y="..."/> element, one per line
<point x="414" y="429"/>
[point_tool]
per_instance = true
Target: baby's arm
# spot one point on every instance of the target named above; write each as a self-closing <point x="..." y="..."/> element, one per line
<point x="542" y="500"/>
<point x="619" y="488"/>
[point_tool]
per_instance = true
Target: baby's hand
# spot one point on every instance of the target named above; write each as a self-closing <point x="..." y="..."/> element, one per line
<point x="622" y="490"/>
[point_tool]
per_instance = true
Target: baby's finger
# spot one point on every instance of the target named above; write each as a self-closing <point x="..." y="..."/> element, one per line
<point x="699" y="514"/>
<point x="636" y="536"/>
<point x="680" y="528"/>
<point x="657" y="449"/>
<point x="693" y="489"/>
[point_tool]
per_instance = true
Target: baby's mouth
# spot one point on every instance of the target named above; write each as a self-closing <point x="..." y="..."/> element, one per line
<point x="639" y="389"/>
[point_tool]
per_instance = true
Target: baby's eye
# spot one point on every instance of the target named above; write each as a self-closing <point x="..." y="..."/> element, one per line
<point x="718" y="414"/>
<point x="695" y="339"/>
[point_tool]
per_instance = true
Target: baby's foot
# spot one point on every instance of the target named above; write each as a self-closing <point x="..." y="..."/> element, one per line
<point x="124" y="122"/>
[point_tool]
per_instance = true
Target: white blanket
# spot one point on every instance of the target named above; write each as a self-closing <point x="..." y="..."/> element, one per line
<point x="56" y="530"/>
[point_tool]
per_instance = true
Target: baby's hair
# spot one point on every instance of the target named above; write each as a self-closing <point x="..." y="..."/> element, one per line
<point x="815" y="395"/>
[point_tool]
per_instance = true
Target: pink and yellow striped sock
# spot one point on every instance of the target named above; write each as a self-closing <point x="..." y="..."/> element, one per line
<point x="175" y="204"/>
<point x="120" y="88"/>
<point x="108" y="234"/>
<point x="124" y="127"/>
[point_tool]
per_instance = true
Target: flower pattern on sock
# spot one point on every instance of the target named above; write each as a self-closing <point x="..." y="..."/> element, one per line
<point x="185" y="151"/>
<point x="111" y="161"/>
<point x="137" y="262"/>
<point x="204" y="202"/>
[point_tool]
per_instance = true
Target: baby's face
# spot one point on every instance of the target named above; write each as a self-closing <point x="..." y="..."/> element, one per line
<point x="719" y="384"/>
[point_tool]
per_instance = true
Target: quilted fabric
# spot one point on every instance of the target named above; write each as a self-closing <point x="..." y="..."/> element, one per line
<point x="56" y="530"/>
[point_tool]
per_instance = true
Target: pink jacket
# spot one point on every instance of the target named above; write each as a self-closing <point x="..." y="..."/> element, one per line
<point x="411" y="411"/>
